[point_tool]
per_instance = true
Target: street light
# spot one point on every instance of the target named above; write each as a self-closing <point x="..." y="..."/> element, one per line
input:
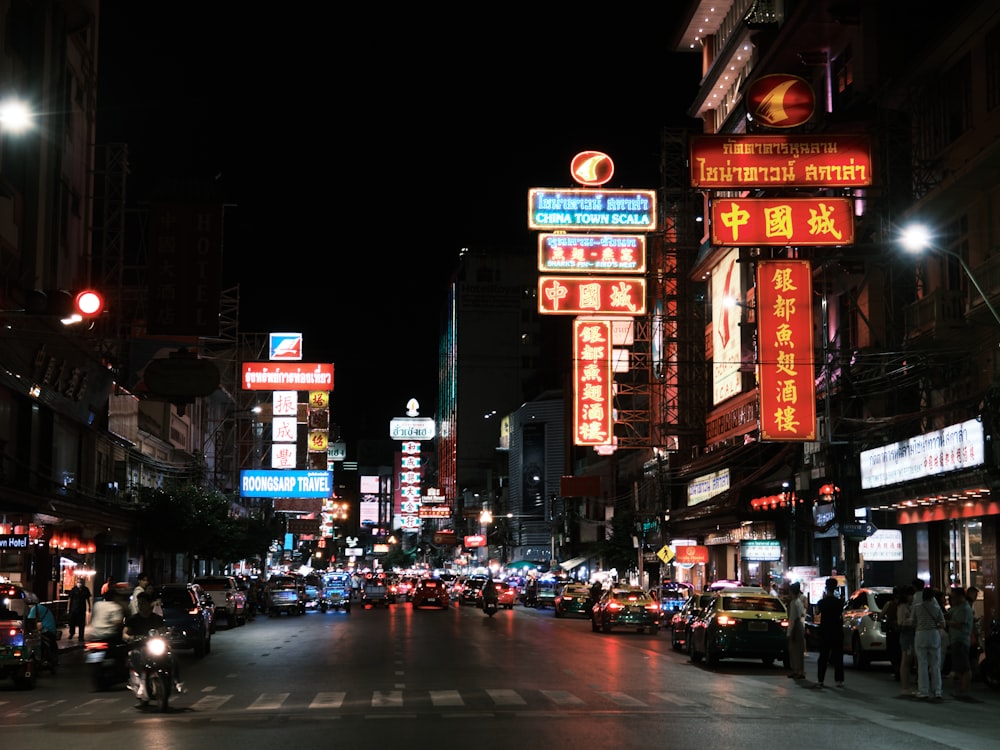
<point x="15" y="116"/>
<point x="916" y="238"/>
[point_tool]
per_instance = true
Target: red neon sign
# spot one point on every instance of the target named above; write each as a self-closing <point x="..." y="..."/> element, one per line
<point x="592" y="253"/>
<point x="287" y="376"/>
<point x="782" y="221"/>
<point x="591" y="168"/>
<point x="781" y="100"/>
<point x="593" y="420"/>
<point x="582" y="295"/>
<point x="785" y="345"/>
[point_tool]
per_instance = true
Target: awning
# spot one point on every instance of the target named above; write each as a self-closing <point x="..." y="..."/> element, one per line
<point x="575" y="562"/>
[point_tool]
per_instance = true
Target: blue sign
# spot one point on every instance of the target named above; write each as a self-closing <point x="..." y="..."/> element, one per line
<point x="286" y="483"/>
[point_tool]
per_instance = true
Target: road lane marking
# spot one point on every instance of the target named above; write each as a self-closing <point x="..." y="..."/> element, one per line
<point x="622" y="699"/>
<point x="210" y="702"/>
<point x="446" y="698"/>
<point x="562" y="697"/>
<point x="268" y="701"/>
<point x="334" y="699"/>
<point x="387" y="699"/>
<point x="506" y="697"/>
<point x="675" y="699"/>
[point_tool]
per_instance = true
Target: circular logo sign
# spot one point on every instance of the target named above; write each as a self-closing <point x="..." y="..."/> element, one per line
<point x="781" y="100"/>
<point x="591" y="168"/>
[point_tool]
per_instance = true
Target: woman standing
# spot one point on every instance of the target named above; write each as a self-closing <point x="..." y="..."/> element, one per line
<point x="928" y="620"/>
<point x="904" y="623"/>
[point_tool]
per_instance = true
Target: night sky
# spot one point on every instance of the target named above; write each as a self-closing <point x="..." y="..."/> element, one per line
<point x="359" y="155"/>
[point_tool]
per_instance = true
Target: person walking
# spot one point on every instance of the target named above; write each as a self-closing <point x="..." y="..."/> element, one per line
<point x="796" y="632"/>
<point x="960" y="636"/>
<point x="831" y="635"/>
<point x="904" y="623"/>
<point x="928" y="620"/>
<point x="79" y="608"/>
<point x="142" y="585"/>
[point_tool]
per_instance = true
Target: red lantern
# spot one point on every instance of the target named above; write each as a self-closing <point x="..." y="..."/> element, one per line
<point x="91" y="548"/>
<point x="54" y="541"/>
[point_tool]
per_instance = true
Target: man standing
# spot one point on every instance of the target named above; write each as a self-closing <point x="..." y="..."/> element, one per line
<point x="142" y="585"/>
<point x="831" y="635"/>
<point x="960" y="635"/>
<point x="796" y="632"/>
<point x="79" y="608"/>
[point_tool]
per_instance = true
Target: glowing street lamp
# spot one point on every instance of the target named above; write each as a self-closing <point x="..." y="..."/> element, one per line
<point x="916" y="238"/>
<point x="15" y="116"/>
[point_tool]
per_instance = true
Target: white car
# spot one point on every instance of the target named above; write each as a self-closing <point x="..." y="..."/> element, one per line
<point x="230" y="601"/>
<point x="862" y="618"/>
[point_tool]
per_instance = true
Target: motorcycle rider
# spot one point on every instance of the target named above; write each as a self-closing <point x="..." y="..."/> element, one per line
<point x="490" y="593"/>
<point x="108" y="615"/>
<point x="137" y="627"/>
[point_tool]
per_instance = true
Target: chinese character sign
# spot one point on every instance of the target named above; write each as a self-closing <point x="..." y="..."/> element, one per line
<point x="593" y="420"/>
<point x="782" y="221"/>
<point x="582" y="295"/>
<point x="785" y="350"/>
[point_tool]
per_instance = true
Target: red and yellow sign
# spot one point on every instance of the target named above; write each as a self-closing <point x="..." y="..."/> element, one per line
<point x="781" y="100"/>
<point x="581" y="295"/>
<point x="741" y="161"/>
<point x="593" y="421"/>
<point x="691" y="553"/>
<point x="592" y="168"/>
<point x="592" y="253"/>
<point x="782" y="221"/>
<point x="287" y="376"/>
<point x="785" y="346"/>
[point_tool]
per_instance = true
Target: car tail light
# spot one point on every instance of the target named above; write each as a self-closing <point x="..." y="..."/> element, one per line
<point x="97" y="646"/>
<point x="653" y="607"/>
<point x="614" y="606"/>
<point x="784" y="623"/>
<point x="726" y="620"/>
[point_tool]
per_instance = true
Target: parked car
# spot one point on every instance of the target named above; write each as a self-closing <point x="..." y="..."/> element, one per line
<point x="671" y="596"/>
<point x="230" y="602"/>
<point x="626" y="606"/>
<point x="430" y="592"/>
<point x="283" y="594"/>
<point x="20" y="644"/>
<point x="680" y="622"/>
<point x="862" y="620"/>
<point x="186" y="616"/>
<point x="572" y="600"/>
<point x="741" y="623"/>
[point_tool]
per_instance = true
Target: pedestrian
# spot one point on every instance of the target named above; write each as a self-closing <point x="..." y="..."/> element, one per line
<point x="904" y="621"/>
<point x="141" y="586"/>
<point x="831" y="635"/>
<point x="79" y="608"/>
<point x="976" y="643"/>
<point x="796" y="632"/>
<point x="105" y="586"/>
<point x="960" y="635"/>
<point x="928" y="620"/>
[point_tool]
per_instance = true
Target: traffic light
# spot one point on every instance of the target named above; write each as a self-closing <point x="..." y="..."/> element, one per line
<point x="69" y="307"/>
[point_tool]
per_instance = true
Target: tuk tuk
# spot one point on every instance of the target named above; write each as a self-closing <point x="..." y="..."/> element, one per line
<point x="336" y="592"/>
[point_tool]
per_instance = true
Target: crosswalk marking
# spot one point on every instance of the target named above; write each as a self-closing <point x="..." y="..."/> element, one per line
<point x="623" y="699"/>
<point x="562" y="697"/>
<point x="328" y="699"/>
<point x="446" y="698"/>
<point x="88" y="707"/>
<point x="732" y="698"/>
<point x="506" y="697"/>
<point x="677" y="700"/>
<point x="211" y="702"/>
<point x="268" y="701"/>
<point x="387" y="699"/>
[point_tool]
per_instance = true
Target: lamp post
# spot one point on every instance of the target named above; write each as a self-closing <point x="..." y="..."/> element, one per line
<point x="15" y="116"/>
<point x="916" y="238"/>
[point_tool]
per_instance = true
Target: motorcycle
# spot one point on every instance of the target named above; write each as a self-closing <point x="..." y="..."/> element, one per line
<point x="108" y="661"/>
<point x="152" y="676"/>
<point x="490" y="607"/>
<point x="989" y="668"/>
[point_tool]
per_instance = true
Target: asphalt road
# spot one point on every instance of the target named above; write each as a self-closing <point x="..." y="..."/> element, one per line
<point x="521" y="679"/>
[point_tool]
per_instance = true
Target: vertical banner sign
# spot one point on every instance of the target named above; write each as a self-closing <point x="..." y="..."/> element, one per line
<point x="726" y="349"/>
<point x="785" y="346"/>
<point x="592" y="382"/>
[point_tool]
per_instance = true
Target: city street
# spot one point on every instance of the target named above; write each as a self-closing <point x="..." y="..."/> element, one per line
<point x="521" y="679"/>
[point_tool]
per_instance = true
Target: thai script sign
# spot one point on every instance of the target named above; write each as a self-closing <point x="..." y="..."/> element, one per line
<point x="785" y="347"/>
<point x="269" y="376"/>
<point x="592" y="253"/>
<point x="957" y="446"/>
<point x="735" y="161"/>
<point x="782" y="221"/>
<point x="575" y="295"/>
<point x="607" y="210"/>
<point x="707" y="486"/>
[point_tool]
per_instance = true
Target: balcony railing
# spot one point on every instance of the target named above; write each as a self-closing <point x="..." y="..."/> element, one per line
<point x="938" y="315"/>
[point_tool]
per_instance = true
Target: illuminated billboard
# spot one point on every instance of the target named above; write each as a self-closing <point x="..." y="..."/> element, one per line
<point x="602" y="210"/>
<point x="742" y="222"/>
<point x="277" y="376"/>
<point x="785" y="347"/>
<point x="738" y="161"/>
<point x="593" y="418"/>
<point x="583" y="295"/>
<point x="592" y="253"/>
<point x="285" y="483"/>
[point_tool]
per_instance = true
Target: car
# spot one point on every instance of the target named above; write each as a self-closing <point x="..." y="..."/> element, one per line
<point x="187" y="619"/>
<point x="506" y="595"/>
<point x="680" y="622"/>
<point x="283" y="594"/>
<point x="572" y="600"/>
<point x="471" y="591"/>
<point x="20" y="643"/>
<point x="230" y="601"/>
<point x="862" y="625"/>
<point x="312" y="591"/>
<point x="430" y="592"/>
<point x="671" y="595"/>
<point x="626" y="606"/>
<point x="742" y="622"/>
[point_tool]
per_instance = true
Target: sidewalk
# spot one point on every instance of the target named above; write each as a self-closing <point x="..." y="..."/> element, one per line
<point x="65" y="642"/>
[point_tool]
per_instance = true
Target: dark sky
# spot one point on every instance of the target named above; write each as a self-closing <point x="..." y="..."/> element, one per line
<point x="362" y="152"/>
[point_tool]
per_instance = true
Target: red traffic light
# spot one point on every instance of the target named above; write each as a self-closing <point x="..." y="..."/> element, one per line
<point x="88" y="303"/>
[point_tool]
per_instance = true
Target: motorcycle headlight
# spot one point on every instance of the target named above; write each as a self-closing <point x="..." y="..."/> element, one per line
<point x="156" y="646"/>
